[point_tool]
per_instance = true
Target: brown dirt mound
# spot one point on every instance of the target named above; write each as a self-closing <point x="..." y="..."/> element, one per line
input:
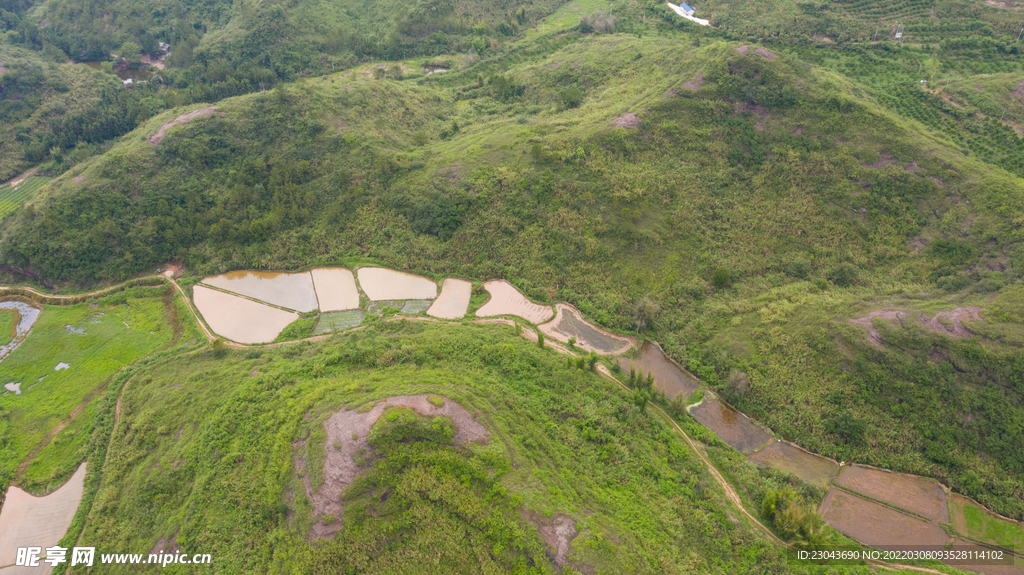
<point x="915" y="494"/>
<point x="558" y="532"/>
<point x="78" y="180"/>
<point x="182" y="119"/>
<point x="873" y="335"/>
<point x="799" y="130"/>
<point x="766" y="54"/>
<point x="627" y="120"/>
<point x="876" y="525"/>
<point x="695" y="82"/>
<point x="952" y="324"/>
<point x="347" y="431"/>
<point x="742" y="49"/>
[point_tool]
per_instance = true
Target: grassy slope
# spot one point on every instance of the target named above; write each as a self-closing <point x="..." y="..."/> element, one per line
<point x="568" y="207"/>
<point x="190" y="460"/>
<point x="94" y="357"/>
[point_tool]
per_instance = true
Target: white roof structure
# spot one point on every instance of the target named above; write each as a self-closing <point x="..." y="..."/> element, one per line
<point x="689" y="17"/>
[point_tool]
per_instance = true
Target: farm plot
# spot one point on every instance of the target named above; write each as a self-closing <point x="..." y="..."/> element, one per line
<point x="506" y="300"/>
<point x="453" y="301"/>
<point x="569" y="323"/>
<point x="12" y="198"/>
<point x="22" y="318"/>
<point x="922" y="496"/>
<point x="780" y="455"/>
<point x="239" y="319"/>
<point x="980" y="524"/>
<point x="875" y="524"/>
<point x="667" y="376"/>
<point x="407" y="306"/>
<point x="335" y="289"/>
<point x="338" y="320"/>
<point x="28" y="521"/>
<point x="292" y="291"/>
<point x="730" y="425"/>
<point x="385" y="284"/>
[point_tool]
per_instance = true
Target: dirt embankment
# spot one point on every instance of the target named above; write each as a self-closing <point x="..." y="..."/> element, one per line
<point x="182" y="119"/>
<point x="944" y="322"/>
<point x="873" y="334"/>
<point x="349" y="454"/>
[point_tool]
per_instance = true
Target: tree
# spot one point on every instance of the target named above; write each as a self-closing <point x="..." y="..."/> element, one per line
<point x="644" y="313"/>
<point x="721" y="278"/>
<point x="130" y="51"/>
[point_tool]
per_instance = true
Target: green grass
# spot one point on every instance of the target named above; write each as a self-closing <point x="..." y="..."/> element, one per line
<point x="8" y="325"/>
<point x="106" y="347"/>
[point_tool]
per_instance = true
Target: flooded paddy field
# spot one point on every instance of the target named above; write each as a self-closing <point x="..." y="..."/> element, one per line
<point x="338" y="320"/>
<point x="569" y="323"/>
<point x="29" y="521"/>
<point x="335" y="289"/>
<point x="814" y="469"/>
<point x="507" y="300"/>
<point x="453" y="301"/>
<point x="916" y="494"/>
<point x="730" y="425"/>
<point x="385" y="284"/>
<point x="667" y="375"/>
<point x="239" y="319"/>
<point x="875" y="524"/>
<point x="25" y="316"/>
<point x="293" y="291"/>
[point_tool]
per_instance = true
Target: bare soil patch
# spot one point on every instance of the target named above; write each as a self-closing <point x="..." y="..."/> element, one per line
<point x="875" y="524"/>
<point x="346" y="444"/>
<point x="951" y="322"/>
<point x="554" y="65"/>
<point x="78" y="180"/>
<point x="182" y="119"/>
<point x="558" y="532"/>
<point x="998" y="4"/>
<point x="799" y="130"/>
<point x="695" y="82"/>
<point x="767" y="55"/>
<point x="922" y="496"/>
<point x="627" y="120"/>
<point x="743" y="49"/>
<point x="1019" y="92"/>
<point x="873" y="334"/>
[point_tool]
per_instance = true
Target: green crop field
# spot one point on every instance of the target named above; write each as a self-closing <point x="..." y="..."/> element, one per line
<point x="12" y="198"/>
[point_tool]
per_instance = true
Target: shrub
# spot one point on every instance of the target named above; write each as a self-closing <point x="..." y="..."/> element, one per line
<point x="844" y="275"/>
<point x="571" y="98"/>
<point x="721" y="278"/>
<point x="798" y="268"/>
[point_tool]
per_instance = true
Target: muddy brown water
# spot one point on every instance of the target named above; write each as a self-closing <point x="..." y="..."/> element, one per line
<point x="385" y="284"/>
<point x="507" y="300"/>
<point x="292" y="291"/>
<point x="28" y="521"/>
<point x="239" y="319"/>
<point x="569" y="323"/>
<point x="814" y="469"/>
<point x="730" y="425"/>
<point x="667" y="376"/>
<point x="453" y="301"/>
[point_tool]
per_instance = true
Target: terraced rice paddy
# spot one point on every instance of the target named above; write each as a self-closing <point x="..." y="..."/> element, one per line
<point x="875" y="524"/>
<point x="453" y="301"/>
<point x="506" y="300"/>
<point x="335" y="289"/>
<point x="239" y="319"/>
<point x="730" y="425"/>
<point x="12" y="198"/>
<point x="813" y="469"/>
<point x="667" y="376"/>
<point x="569" y="323"/>
<point x="385" y="284"/>
<point x="28" y="521"/>
<point x="980" y="524"/>
<point x="916" y="494"/>
<point x="408" y="306"/>
<point x="338" y="320"/>
<point x="292" y="291"/>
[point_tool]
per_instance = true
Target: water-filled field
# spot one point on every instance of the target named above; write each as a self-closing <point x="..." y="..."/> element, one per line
<point x="813" y="469"/>
<point x="917" y="494"/>
<point x="239" y="319"/>
<point x="335" y="289"/>
<point x="569" y="323"/>
<point x="292" y="291"/>
<point x="453" y="301"/>
<point x="730" y="425"/>
<point x="385" y="284"/>
<point x="338" y="320"/>
<point x="28" y="521"/>
<point x="506" y="300"/>
<point x="875" y="524"/>
<point x="667" y="376"/>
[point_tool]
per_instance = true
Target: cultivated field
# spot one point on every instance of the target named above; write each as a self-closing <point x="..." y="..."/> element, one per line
<point x="28" y="521"/>
<point x="569" y="322"/>
<point x="453" y="301"/>
<point x="780" y="455"/>
<point x="506" y="300"/>
<point x="875" y="524"/>
<point x="730" y="425"/>
<point x="239" y="319"/>
<point x="922" y="496"/>
<point x="292" y="291"/>
<point x="335" y="289"/>
<point x="385" y="284"/>
<point x="11" y="198"/>
<point x="667" y="376"/>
